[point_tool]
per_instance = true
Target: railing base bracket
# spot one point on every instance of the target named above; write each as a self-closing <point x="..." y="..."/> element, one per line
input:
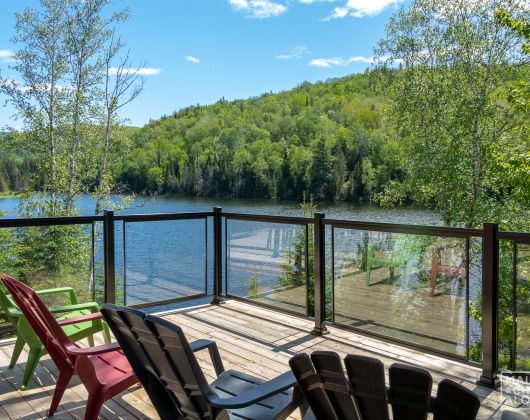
<point x="319" y="331"/>
<point x="217" y="301"/>
<point x="492" y="383"/>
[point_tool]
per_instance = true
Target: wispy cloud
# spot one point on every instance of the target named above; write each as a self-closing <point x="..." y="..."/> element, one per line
<point x="297" y="52"/>
<point x="258" y="9"/>
<point x="361" y="8"/>
<point x="7" y="56"/>
<point x="361" y="59"/>
<point x="339" y="61"/>
<point x="327" y="62"/>
<point x="144" y="71"/>
<point x="193" y="59"/>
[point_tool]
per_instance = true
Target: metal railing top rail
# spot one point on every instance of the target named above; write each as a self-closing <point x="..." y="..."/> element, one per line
<point x="267" y="218"/>
<point x="155" y="217"/>
<point x="49" y="221"/>
<point x="519" y="237"/>
<point x="407" y="229"/>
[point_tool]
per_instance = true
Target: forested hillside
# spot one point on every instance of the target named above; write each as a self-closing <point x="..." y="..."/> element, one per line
<point x="325" y="140"/>
<point x="16" y="168"/>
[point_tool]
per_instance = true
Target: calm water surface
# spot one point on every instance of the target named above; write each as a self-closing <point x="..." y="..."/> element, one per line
<point x="342" y="210"/>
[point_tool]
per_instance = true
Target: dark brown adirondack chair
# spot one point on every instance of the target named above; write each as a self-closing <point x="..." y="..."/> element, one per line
<point x="165" y="363"/>
<point x="364" y="395"/>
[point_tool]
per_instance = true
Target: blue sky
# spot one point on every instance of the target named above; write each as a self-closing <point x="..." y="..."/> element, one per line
<point x="198" y="51"/>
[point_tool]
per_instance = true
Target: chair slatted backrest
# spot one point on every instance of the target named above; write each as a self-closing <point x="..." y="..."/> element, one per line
<point x="367" y="379"/>
<point x="454" y="402"/>
<point x="42" y="322"/>
<point x="185" y="378"/>
<point x="134" y="337"/>
<point x="410" y="392"/>
<point x="322" y="381"/>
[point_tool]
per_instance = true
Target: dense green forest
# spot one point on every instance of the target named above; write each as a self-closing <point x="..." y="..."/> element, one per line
<point x="326" y="140"/>
<point x="16" y="169"/>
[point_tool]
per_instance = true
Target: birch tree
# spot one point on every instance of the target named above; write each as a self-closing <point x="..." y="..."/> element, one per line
<point x="447" y="104"/>
<point x="122" y="85"/>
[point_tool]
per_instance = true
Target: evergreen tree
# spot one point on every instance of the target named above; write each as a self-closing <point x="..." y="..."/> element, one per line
<point x="321" y="171"/>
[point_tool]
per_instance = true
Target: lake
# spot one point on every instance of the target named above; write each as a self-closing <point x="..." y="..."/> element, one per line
<point x="340" y="210"/>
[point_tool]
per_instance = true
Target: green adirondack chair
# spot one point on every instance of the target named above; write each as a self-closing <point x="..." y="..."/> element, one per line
<point x="25" y="333"/>
<point x="405" y="253"/>
<point x="392" y="262"/>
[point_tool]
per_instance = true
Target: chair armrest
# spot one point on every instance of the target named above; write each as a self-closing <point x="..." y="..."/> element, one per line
<point x="92" y="351"/>
<point x="261" y="392"/>
<point x="93" y="306"/>
<point x="13" y="310"/>
<point x="217" y="362"/>
<point x="56" y="290"/>
<point x="83" y="318"/>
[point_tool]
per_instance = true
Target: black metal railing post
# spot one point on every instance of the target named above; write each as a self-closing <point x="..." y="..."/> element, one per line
<point x="320" y="275"/>
<point x="490" y="301"/>
<point x="217" y="256"/>
<point x="109" y="256"/>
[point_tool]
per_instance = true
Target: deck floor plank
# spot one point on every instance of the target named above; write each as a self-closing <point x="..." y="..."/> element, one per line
<point x="250" y="339"/>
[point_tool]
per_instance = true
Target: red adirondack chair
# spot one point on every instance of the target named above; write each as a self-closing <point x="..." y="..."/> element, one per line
<point x="104" y="370"/>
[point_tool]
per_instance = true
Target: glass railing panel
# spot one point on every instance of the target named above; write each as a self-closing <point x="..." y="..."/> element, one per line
<point x="412" y="288"/>
<point x="522" y="296"/>
<point x="507" y="306"/>
<point x="48" y="257"/>
<point x="163" y="260"/>
<point x="514" y="306"/>
<point x="475" y="300"/>
<point x="267" y="263"/>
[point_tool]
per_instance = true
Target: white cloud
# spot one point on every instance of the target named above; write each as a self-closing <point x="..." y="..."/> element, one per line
<point x="361" y="8"/>
<point x="6" y="56"/>
<point x="258" y="9"/>
<point x="145" y="71"/>
<point x="361" y="59"/>
<point x="338" y="13"/>
<point x="297" y="52"/>
<point x="327" y="62"/>
<point x="239" y="4"/>
<point x="339" y="61"/>
<point x="193" y="59"/>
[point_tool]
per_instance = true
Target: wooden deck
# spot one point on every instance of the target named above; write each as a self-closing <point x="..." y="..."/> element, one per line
<point x="384" y="307"/>
<point x="389" y="305"/>
<point x="251" y="339"/>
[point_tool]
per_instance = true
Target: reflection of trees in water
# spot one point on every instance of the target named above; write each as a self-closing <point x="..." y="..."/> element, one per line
<point x="279" y="239"/>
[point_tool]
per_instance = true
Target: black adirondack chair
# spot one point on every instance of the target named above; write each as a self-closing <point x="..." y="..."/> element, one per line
<point x="364" y="394"/>
<point x="165" y="363"/>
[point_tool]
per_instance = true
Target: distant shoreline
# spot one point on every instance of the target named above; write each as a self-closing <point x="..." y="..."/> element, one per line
<point x="10" y="195"/>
